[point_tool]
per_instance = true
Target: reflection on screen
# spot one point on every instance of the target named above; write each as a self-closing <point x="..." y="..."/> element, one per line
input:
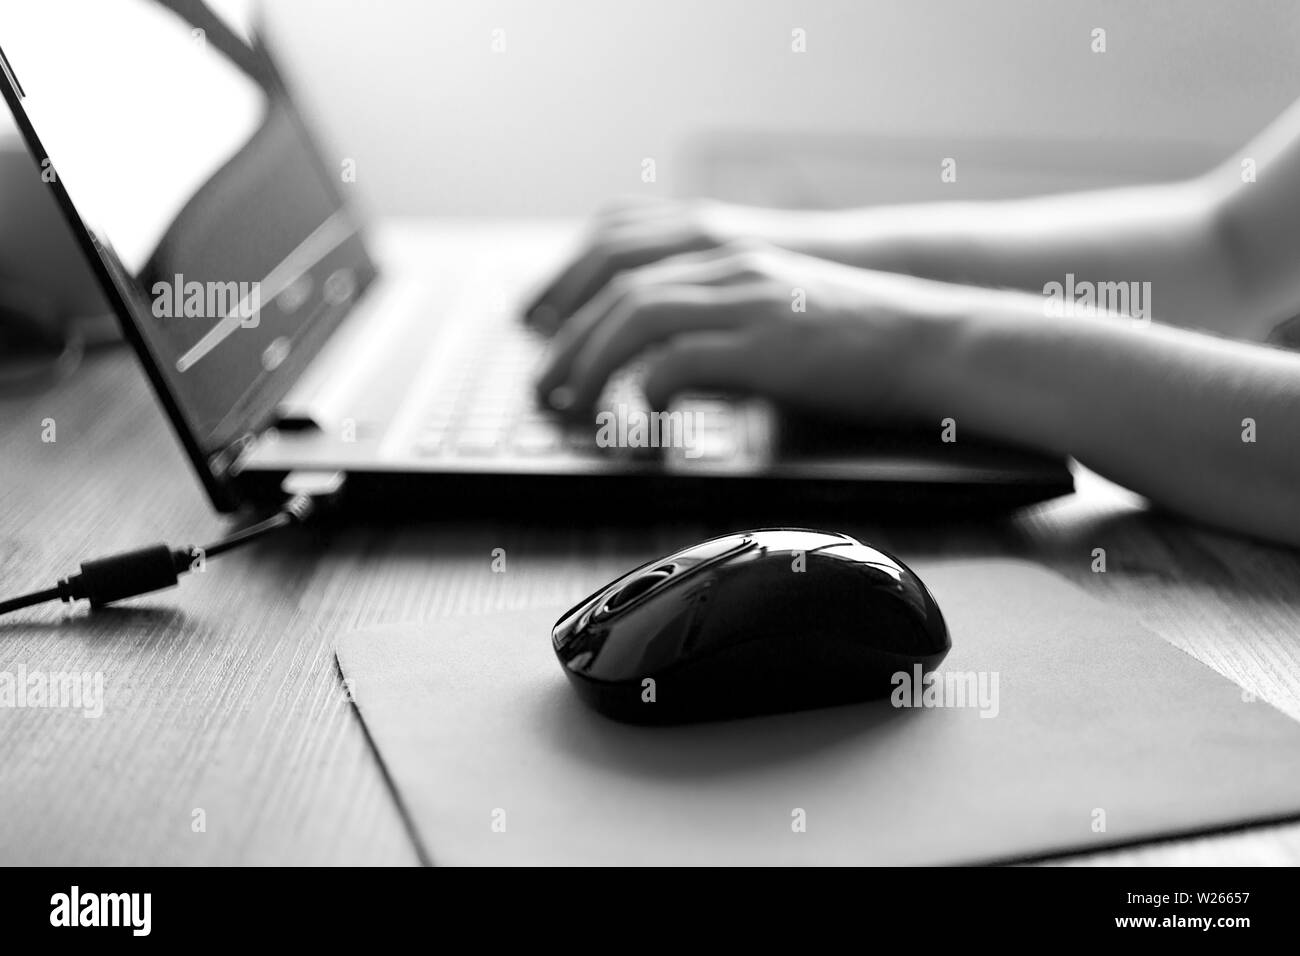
<point x="166" y="124"/>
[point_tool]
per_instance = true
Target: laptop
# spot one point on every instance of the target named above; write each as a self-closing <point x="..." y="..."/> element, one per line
<point x="279" y="343"/>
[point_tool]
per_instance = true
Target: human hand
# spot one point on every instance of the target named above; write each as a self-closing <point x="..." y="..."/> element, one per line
<point x="631" y="234"/>
<point x="751" y="319"/>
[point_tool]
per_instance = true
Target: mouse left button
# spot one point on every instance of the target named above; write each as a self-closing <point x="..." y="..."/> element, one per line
<point x="710" y="551"/>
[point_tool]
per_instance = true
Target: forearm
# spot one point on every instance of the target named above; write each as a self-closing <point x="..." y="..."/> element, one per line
<point x="1162" y="411"/>
<point x="1162" y="235"/>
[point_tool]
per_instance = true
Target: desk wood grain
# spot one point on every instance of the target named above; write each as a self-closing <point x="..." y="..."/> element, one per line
<point x="223" y="696"/>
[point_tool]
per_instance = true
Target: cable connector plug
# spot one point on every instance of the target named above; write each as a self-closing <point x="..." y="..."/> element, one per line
<point x="125" y="575"/>
<point x="157" y="567"/>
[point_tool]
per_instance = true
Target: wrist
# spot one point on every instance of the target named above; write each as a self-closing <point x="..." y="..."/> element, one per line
<point x="867" y="238"/>
<point x="938" y="327"/>
<point x="984" y="359"/>
<point x="858" y="237"/>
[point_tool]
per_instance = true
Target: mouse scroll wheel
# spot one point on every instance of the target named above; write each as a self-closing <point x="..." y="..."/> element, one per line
<point x="634" y="589"/>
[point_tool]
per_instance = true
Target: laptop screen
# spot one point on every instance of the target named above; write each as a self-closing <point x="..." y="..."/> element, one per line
<point x="223" y="229"/>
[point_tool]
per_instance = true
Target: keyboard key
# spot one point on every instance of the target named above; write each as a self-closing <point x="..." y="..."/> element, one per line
<point x="580" y="439"/>
<point x="713" y="446"/>
<point x="536" y="440"/>
<point x="478" y="442"/>
<point x="430" y="443"/>
<point x="484" y="421"/>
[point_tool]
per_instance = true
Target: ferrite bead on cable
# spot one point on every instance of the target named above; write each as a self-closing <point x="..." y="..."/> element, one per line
<point x="125" y="575"/>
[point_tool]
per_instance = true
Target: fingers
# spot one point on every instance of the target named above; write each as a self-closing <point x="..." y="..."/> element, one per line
<point x="628" y="238"/>
<point x="706" y="362"/>
<point x="716" y="288"/>
<point x="654" y="317"/>
<point x="710" y="267"/>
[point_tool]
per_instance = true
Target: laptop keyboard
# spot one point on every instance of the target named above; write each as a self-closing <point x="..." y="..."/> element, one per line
<point x="484" y="404"/>
<point x="481" y="402"/>
<point x="480" y="406"/>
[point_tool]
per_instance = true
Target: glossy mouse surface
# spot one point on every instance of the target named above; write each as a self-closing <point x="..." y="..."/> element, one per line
<point x="751" y="623"/>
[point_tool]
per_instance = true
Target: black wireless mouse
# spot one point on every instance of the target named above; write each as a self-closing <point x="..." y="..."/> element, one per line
<point x="753" y="623"/>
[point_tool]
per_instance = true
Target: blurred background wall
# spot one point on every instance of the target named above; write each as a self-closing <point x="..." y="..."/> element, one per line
<point x="556" y="112"/>
<point x="586" y="89"/>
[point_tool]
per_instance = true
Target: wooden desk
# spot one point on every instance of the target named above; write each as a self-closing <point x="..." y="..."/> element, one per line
<point x="224" y="695"/>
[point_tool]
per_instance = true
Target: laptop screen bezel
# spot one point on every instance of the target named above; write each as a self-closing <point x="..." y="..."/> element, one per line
<point x="213" y="466"/>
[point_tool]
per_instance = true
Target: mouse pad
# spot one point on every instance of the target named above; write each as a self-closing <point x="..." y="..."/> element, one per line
<point x="1060" y="726"/>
